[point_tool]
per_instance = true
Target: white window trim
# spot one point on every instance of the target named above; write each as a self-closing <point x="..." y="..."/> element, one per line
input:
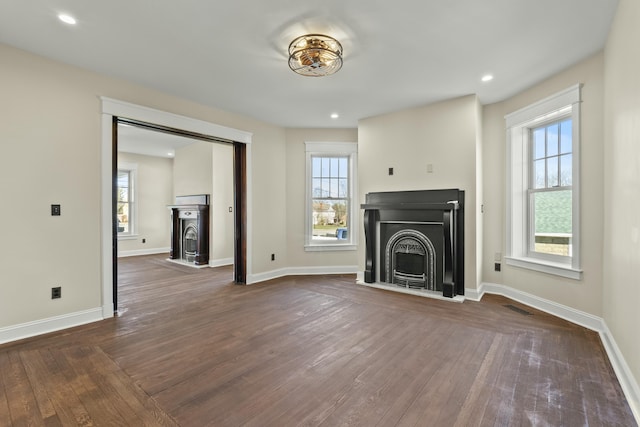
<point x="133" y="222"/>
<point x="337" y="149"/>
<point x="563" y="104"/>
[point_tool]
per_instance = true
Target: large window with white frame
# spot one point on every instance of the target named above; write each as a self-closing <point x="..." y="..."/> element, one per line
<point x="543" y="181"/>
<point x="330" y="206"/>
<point x="126" y="212"/>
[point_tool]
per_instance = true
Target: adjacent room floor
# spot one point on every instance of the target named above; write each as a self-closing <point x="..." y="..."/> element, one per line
<point x="193" y="349"/>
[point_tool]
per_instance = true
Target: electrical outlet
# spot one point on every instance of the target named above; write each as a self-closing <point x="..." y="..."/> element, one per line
<point x="273" y="257"/>
<point x="144" y="240"/>
<point x="390" y="171"/>
<point x="56" y="292"/>
<point x="496" y="266"/>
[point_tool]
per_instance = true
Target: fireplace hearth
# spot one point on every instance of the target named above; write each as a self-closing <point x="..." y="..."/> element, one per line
<point x="415" y="240"/>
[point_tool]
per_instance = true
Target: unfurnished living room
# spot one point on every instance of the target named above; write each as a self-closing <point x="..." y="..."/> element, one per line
<point x="275" y="213"/>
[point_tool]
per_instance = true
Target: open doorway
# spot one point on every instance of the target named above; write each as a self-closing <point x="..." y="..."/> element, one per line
<point x="114" y="112"/>
<point x="154" y="170"/>
<point x="198" y="156"/>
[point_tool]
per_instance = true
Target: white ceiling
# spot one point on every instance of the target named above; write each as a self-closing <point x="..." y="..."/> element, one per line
<point x="132" y="139"/>
<point x="397" y="54"/>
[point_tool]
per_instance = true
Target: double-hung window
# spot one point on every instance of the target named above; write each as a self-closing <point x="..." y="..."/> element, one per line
<point x="543" y="142"/>
<point x="331" y="209"/>
<point x="126" y="200"/>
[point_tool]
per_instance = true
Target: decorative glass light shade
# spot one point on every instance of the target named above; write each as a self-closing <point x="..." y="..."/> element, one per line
<point x="315" y="55"/>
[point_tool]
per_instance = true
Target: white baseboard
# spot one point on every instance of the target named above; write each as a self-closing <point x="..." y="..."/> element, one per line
<point x="472" y="294"/>
<point x="220" y="262"/>
<point x="628" y="382"/>
<point x="578" y="317"/>
<point x="301" y="271"/>
<point x="623" y="372"/>
<point x="136" y="252"/>
<point x="51" y="324"/>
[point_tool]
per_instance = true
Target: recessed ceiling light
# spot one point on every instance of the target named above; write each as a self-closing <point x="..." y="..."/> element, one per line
<point x="67" y="19"/>
<point x="487" y="78"/>
<point x="334" y="115"/>
<point x="170" y="154"/>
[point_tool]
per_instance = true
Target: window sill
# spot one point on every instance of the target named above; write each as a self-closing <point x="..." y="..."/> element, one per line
<point x="128" y="237"/>
<point x="545" y="267"/>
<point x="329" y="247"/>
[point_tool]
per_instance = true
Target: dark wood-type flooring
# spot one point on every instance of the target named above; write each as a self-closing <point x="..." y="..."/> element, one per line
<point x="193" y="349"/>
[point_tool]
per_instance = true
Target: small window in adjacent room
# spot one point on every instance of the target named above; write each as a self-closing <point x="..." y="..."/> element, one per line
<point x="542" y="179"/>
<point x="126" y="201"/>
<point x="331" y="172"/>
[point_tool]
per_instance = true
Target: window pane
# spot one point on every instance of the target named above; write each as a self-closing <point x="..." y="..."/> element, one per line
<point x="343" y="188"/>
<point x="123" y="217"/>
<point x="334" y="167"/>
<point x="552" y="140"/>
<point x="315" y="166"/>
<point x="324" y="170"/>
<point x="324" y="220"/>
<point x="538" y="143"/>
<point x="552" y="216"/>
<point x="334" y="187"/>
<point x="552" y="172"/>
<point x="566" y="170"/>
<point x="123" y="194"/>
<point x="325" y="188"/>
<point x="340" y="209"/>
<point x="123" y="179"/>
<point x="566" y="136"/>
<point x="344" y="167"/>
<point x="539" y="174"/>
<point x="316" y="188"/>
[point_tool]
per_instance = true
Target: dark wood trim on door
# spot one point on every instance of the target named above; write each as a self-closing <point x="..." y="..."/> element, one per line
<point x="114" y="208"/>
<point x="240" y="212"/>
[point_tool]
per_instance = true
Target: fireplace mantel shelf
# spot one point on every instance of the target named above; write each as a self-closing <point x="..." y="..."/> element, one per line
<point x="186" y="207"/>
<point x="412" y="206"/>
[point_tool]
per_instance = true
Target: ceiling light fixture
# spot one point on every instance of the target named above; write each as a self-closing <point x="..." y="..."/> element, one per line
<point x="487" y="78"/>
<point x="315" y="55"/>
<point x="335" y="115"/>
<point x="67" y="19"/>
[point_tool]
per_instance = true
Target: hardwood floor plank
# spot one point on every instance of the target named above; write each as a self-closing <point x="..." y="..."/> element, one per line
<point x="119" y="395"/>
<point x="46" y="407"/>
<point x="5" y="393"/>
<point x="22" y="401"/>
<point x="474" y="406"/>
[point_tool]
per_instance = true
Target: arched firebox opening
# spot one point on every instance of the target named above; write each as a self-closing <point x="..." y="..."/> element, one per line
<point x="410" y="260"/>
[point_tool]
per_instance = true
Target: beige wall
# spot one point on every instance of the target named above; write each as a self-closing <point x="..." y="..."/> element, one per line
<point x="222" y="228"/>
<point x="51" y="133"/>
<point x="586" y="294"/>
<point x="193" y="169"/>
<point x="154" y="191"/>
<point x="621" y="293"/>
<point x="445" y="135"/>
<point x="295" y="208"/>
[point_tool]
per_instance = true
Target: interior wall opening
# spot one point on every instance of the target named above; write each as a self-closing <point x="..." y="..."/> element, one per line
<point x="152" y="165"/>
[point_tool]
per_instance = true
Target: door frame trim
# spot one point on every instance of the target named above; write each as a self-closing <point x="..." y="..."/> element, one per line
<point x="111" y="108"/>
